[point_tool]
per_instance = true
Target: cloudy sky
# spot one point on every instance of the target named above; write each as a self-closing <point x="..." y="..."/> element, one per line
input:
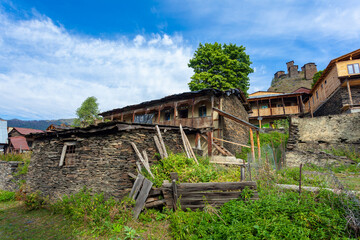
<point x="54" y="54"/>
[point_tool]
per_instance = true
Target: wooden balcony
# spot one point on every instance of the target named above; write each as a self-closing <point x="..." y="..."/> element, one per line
<point x="275" y="111"/>
<point x="199" y="122"/>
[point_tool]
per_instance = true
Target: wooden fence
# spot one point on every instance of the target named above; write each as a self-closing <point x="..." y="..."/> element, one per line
<point x="197" y="195"/>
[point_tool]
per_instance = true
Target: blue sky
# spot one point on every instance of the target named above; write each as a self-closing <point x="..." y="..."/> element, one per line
<point x="55" y="54"/>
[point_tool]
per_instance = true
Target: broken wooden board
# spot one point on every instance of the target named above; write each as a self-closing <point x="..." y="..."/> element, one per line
<point x="136" y="187"/>
<point x="141" y="199"/>
<point x="230" y="160"/>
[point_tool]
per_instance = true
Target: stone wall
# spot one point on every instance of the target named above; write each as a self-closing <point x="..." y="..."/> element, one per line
<point x="7" y="180"/>
<point x="337" y="100"/>
<point x="309" y="138"/>
<point x="234" y="131"/>
<point x="101" y="161"/>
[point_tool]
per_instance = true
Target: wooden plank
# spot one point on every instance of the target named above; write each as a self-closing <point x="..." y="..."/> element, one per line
<point x="63" y="153"/>
<point x="161" y="141"/>
<point x="184" y="143"/>
<point x="137" y="185"/>
<point x="223" y="186"/>
<point x="222" y="140"/>
<point x="155" y="192"/>
<point x="157" y="203"/>
<point x="258" y="145"/>
<point x="147" y="163"/>
<point x="236" y="119"/>
<point x="142" y="159"/>
<point x="252" y="145"/>
<point x="158" y="146"/>
<point x="189" y="146"/>
<point x="140" y="201"/>
<point x="175" y="194"/>
<point x="209" y="141"/>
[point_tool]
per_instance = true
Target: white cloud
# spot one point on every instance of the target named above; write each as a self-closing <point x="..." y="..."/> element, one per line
<point x="46" y="72"/>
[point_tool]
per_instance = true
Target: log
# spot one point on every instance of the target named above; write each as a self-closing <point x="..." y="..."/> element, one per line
<point x="184" y="143"/>
<point x="158" y="146"/>
<point x="220" y="186"/>
<point x="155" y="203"/>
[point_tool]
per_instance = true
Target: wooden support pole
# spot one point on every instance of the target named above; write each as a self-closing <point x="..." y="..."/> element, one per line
<point x="197" y="141"/>
<point x="175" y="112"/>
<point x="122" y="117"/>
<point x="258" y="108"/>
<point x="349" y="91"/>
<point x="258" y="144"/>
<point x="133" y="116"/>
<point x="209" y="143"/>
<point x="222" y="140"/>
<point x="283" y="104"/>
<point x="252" y="145"/>
<point x="270" y="107"/>
<point x="159" y="114"/>
<point x="175" y="194"/>
<point x="298" y="103"/>
<point x="192" y="112"/>
<point x="212" y="112"/>
<point x="302" y="104"/>
<point x="300" y="180"/>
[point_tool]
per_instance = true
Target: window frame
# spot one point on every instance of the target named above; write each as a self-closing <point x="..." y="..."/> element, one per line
<point x="355" y="68"/>
<point x="202" y="111"/>
<point x="65" y="151"/>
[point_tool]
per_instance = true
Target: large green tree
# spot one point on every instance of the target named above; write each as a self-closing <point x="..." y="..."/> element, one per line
<point x="220" y="67"/>
<point x="316" y="77"/>
<point x="88" y="113"/>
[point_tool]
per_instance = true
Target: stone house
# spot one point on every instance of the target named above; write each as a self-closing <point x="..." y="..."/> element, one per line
<point x="18" y="142"/>
<point x="99" y="157"/>
<point x="269" y="106"/>
<point x="207" y="110"/>
<point x="338" y="88"/>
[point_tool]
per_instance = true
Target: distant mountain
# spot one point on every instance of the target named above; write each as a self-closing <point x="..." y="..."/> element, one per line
<point x="37" y="124"/>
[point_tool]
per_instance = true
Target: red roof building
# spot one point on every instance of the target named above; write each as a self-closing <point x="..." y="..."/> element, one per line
<point x="18" y="144"/>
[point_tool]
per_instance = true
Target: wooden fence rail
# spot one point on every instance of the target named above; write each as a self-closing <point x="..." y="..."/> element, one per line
<point x="197" y="195"/>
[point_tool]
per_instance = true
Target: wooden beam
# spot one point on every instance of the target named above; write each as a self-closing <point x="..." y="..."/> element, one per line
<point x="192" y="112"/>
<point x="252" y="145"/>
<point x="258" y="108"/>
<point x="133" y="116"/>
<point x="197" y="139"/>
<point x="349" y="92"/>
<point x="159" y="114"/>
<point x="122" y="117"/>
<point x="212" y="112"/>
<point x="209" y="144"/>
<point x="270" y="107"/>
<point x="258" y="144"/>
<point x="222" y="140"/>
<point x="283" y="104"/>
<point x="298" y="103"/>
<point x="175" y="112"/>
<point x="236" y="119"/>
<point x="302" y="104"/>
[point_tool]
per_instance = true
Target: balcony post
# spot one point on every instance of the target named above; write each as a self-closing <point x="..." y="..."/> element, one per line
<point x="283" y="104"/>
<point x="349" y="91"/>
<point x="270" y="107"/>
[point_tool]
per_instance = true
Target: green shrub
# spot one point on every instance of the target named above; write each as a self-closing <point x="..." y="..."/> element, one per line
<point x="276" y="215"/>
<point x="190" y="172"/>
<point x="100" y="214"/>
<point x="6" y="196"/>
<point x="34" y="201"/>
<point x="19" y="157"/>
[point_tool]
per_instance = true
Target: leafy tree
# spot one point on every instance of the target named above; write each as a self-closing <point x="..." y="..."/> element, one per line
<point x="87" y="113"/>
<point x="220" y="67"/>
<point x="316" y="77"/>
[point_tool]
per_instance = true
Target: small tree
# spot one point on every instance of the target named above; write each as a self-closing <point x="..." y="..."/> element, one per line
<point x="316" y="77"/>
<point x="88" y="113"/>
<point x="220" y="67"/>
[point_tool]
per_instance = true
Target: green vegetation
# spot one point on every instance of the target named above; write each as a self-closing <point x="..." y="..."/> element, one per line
<point x="88" y="113"/>
<point x="6" y="196"/>
<point x="220" y="67"/>
<point x="316" y="77"/>
<point x="190" y="172"/>
<point x="276" y="215"/>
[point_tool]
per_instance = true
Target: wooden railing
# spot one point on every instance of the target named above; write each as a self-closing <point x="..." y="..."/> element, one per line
<point x="275" y="111"/>
<point x="198" y="122"/>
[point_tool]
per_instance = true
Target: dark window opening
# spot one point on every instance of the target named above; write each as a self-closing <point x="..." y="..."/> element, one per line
<point x="70" y="155"/>
<point x="183" y="113"/>
<point x="144" y="118"/>
<point x="167" y="116"/>
<point x="353" y="68"/>
<point x="202" y="111"/>
<point x="30" y="143"/>
<point x="317" y="95"/>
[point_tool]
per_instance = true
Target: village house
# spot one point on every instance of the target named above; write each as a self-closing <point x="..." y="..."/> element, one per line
<point x="269" y="106"/>
<point x="222" y="117"/>
<point x="338" y="88"/>
<point x="18" y="141"/>
<point x="54" y="127"/>
<point x="99" y="157"/>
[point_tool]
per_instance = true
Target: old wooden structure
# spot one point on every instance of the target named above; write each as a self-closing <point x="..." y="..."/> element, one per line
<point x="19" y="141"/>
<point x="199" y="110"/>
<point x="338" y="88"/>
<point x="270" y="106"/>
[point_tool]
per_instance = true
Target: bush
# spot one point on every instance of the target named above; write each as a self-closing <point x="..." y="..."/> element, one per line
<point x="190" y="172"/>
<point x="276" y="215"/>
<point x="34" y="201"/>
<point x="101" y="215"/>
<point x="6" y="196"/>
